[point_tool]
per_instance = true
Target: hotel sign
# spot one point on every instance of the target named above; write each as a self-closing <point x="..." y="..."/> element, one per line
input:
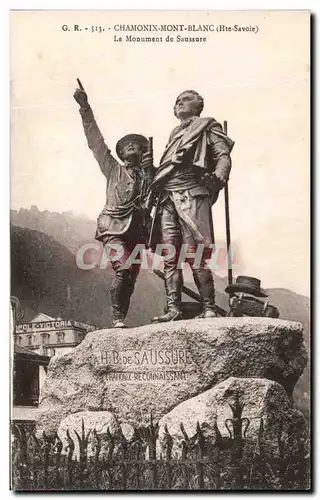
<point x="51" y="325"/>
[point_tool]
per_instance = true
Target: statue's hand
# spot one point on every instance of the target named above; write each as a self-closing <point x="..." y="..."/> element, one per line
<point x="147" y="160"/>
<point x="213" y="181"/>
<point x="222" y="170"/>
<point x="213" y="185"/>
<point x="220" y="179"/>
<point x="81" y="98"/>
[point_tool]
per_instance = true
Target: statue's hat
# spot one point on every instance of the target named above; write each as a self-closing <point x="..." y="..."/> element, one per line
<point x="140" y="139"/>
<point x="247" y="284"/>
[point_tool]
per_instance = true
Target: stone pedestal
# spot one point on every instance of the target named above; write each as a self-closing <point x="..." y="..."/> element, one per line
<point x="154" y="368"/>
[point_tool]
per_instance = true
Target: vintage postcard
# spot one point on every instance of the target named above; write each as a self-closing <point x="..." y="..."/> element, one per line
<point x="160" y="273"/>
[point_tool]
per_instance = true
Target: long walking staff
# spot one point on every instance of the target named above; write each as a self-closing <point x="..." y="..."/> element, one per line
<point x="227" y="217"/>
<point x="150" y="144"/>
<point x="148" y="180"/>
<point x="148" y="171"/>
<point x="154" y="209"/>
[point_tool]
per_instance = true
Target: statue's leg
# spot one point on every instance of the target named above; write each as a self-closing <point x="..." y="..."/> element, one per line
<point x="198" y="209"/>
<point x="171" y="235"/>
<point x="121" y="282"/>
<point x="204" y="281"/>
<point x="127" y="291"/>
<point x="135" y="236"/>
<point x="118" y="285"/>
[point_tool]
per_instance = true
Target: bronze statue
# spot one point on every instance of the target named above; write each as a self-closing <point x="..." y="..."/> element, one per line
<point x="193" y="169"/>
<point x="121" y="223"/>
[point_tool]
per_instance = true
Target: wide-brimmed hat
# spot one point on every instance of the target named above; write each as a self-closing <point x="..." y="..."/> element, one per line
<point x="247" y="284"/>
<point x="140" y="139"/>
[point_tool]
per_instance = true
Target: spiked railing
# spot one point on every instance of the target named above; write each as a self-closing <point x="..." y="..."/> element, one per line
<point x="202" y="460"/>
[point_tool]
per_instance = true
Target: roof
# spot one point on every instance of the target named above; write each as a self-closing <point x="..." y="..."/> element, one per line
<point x="25" y="354"/>
<point x="42" y="317"/>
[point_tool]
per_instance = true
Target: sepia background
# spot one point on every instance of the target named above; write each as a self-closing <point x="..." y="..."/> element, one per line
<point x="259" y="83"/>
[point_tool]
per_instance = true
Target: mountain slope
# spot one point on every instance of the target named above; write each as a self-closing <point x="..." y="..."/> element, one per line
<point x="68" y="229"/>
<point x="45" y="277"/>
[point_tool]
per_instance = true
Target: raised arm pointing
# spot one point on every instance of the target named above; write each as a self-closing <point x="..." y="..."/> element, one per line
<point x="94" y="137"/>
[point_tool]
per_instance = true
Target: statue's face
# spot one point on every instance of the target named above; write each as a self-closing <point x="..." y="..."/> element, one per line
<point x="186" y="105"/>
<point x="131" y="150"/>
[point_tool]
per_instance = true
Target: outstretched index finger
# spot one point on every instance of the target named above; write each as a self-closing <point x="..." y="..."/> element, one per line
<point x="80" y="84"/>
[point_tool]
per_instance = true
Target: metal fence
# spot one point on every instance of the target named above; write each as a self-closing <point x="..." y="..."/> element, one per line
<point x="218" y="463"/>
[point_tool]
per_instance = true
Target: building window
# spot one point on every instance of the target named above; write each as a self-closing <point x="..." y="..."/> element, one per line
<point x="18" y="339"/>
<point x="60" y="337"/>
<point x="45" y="338"/>
<point x="29" y="339"/>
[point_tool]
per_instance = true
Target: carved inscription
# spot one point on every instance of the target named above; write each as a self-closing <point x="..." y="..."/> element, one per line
<point x="151" y="365"/>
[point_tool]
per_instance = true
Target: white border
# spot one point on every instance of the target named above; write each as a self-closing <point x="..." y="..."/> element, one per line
<point x="162" y="5"/>
<point x="4" y="170"/>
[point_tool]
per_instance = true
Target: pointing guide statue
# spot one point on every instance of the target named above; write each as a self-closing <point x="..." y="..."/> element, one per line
<point x="121" y="224"/>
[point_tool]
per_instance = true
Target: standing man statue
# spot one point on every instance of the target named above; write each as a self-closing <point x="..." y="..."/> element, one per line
<point x="194" y="167"/>
<point x="121" y="223"/>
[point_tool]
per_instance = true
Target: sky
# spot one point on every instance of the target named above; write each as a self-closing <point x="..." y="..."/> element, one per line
<point x="258" y="82"/>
